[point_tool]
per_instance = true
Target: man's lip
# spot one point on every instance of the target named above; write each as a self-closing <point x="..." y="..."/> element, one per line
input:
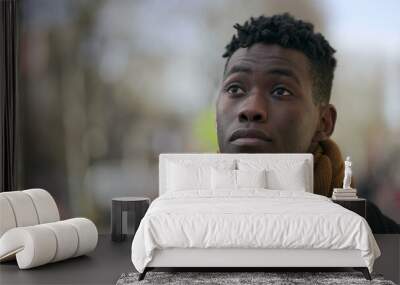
<point x="249" y="135"/>
<point x="249" y="142"/>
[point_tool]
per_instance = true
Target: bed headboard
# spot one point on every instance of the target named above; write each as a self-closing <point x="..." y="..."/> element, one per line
<point x="165" y="157"/>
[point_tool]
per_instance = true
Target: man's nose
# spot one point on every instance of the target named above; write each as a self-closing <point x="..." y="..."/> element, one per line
<point x="253" y="110"/>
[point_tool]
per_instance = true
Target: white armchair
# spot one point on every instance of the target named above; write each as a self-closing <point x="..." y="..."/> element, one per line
<point x="31" y="230"/>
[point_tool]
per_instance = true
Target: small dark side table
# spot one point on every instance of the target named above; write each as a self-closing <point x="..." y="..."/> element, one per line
<point x="135" y="208"/>
<point x="357" y="205"/>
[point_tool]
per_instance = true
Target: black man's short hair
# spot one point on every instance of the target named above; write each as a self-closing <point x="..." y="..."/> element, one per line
<point x="288" y="32"/>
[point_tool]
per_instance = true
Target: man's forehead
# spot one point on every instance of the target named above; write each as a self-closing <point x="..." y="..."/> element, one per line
<point x="265" y="56"/>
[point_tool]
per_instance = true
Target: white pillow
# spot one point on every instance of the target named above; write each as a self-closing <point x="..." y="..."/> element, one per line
<point x="251" y="178"/>
<point x="223" y="179"/>
<point x="181" y="178"/>
<point x="226" y="179"/>
<point x="281" y="174"/>
<point x="293" y="179"/>
<point x="189" y="174"/>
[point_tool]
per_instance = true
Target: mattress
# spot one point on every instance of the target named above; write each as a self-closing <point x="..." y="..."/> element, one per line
<point x="250" y="218"/>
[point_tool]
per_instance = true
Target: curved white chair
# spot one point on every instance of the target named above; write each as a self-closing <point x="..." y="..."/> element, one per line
<point x="37" y="245"/>
<point x="31" y="232"/>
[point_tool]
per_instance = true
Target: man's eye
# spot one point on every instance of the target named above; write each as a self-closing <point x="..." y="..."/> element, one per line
<point x="280" y="92"/>
<point x="235" y="90"/>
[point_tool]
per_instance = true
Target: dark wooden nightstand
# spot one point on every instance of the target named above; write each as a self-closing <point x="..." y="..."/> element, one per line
<point x="135" y="209"/>
<point x="357" y="205"/>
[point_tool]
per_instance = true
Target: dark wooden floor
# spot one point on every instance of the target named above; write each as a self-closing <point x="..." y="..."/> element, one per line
<point x="111" y="259"/>
<point x="102" y="266"/>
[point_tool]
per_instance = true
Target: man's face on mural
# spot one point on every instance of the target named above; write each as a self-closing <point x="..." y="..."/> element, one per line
<point x="266" y="105"/>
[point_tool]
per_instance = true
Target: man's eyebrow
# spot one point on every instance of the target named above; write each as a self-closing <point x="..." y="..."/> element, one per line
<point x="275" y="71"/>
<point x="285" y="72"/>
<point x="237" y="69"/>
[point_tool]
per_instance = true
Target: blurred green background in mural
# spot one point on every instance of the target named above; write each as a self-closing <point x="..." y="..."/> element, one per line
<point x="205" y="132"/>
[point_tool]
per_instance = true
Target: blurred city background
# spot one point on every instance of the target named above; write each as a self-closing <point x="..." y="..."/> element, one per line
<point x="106" y="86"/>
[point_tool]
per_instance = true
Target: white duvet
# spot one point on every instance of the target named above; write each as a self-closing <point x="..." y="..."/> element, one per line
<point x="250" y="218"/>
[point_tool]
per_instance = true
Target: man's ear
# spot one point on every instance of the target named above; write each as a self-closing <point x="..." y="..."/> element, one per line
<point x="326" y="124"/>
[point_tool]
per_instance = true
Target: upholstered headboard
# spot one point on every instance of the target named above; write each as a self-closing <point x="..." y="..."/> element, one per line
<point x="235" y="157"/>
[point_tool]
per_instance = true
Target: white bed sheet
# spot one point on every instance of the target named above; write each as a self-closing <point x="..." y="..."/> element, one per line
<point x="251" y="218"/>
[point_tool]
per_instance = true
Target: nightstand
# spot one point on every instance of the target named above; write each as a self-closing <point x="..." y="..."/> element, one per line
<point x="134" y="209"/>
<point x="357" y="205"/>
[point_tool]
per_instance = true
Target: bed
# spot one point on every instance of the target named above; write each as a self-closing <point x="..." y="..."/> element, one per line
<point x="247" y="211"/>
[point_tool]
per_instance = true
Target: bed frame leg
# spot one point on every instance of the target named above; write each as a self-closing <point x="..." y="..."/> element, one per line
<point x="143" y="274"/>
<point x="364" y="271"/>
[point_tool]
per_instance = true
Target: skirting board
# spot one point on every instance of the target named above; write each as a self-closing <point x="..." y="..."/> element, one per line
<point x="235" y="257"/>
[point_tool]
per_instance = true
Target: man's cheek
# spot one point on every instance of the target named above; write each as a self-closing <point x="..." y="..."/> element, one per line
<point x="226" y="126"/>
<point x="283" y="121"/>
<point x="227" y="116"/>
<point x="223" y="125"/>
<point x="301" y="134"/>
<point x="288" y="127"/>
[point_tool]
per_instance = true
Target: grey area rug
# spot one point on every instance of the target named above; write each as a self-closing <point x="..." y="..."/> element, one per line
<point x="226" y="278"/>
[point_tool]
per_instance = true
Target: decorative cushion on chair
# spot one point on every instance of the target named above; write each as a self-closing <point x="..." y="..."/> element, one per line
<point x="23" y="209"/>
<point x="45" y="205"/>
<point x="7" y="220"/>
<point x="26" y="208"/>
